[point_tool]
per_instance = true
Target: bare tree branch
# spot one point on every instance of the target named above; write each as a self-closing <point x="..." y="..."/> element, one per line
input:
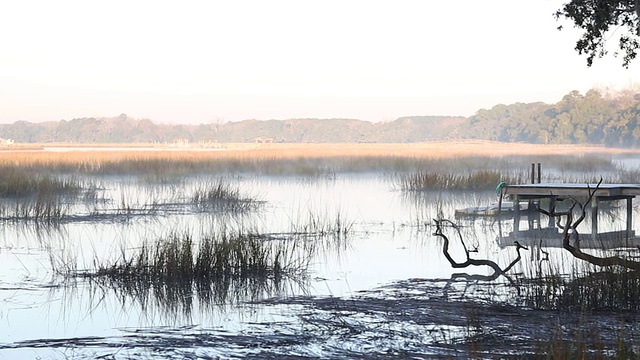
<point x="497" y="270"/>
<point x="570" y="230"/>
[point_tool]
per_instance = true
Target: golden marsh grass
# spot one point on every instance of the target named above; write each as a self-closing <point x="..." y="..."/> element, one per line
<point x="86" y="157"/>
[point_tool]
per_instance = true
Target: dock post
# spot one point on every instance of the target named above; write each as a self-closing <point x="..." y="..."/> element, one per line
<point x="533" y="181"/>
<point x="516" y="214"/>
<point x="594" y="217"/>
<point x="552" y="208"/>
<point x="533" y="173"/>
<point x="629" y="216"/>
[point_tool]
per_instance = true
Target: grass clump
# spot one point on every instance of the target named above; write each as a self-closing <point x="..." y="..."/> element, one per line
<point x="222" y="269"/>
<point x="222" y="196"/>
<point x="18" y="182"/>
<point x="30" y="196"/>
<point x="322" y="226"/>
<point x="611" y="289"/>
<point x="591" y="290"/>
<point x="42" y="208"/>
<point x="228" y="255"/>
<point x="476" y="180"/>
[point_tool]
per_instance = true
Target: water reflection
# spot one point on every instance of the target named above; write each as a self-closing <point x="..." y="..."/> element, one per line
<point x="177" y="301"/>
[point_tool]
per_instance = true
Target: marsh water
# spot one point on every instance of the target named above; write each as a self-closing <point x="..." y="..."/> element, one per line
<point x="388" y="256"/>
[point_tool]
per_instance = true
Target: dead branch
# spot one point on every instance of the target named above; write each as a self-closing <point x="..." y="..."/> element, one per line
<point x="497" y="270"/>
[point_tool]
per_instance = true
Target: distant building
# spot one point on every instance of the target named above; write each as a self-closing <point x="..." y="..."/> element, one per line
<point x="181" y="142"/>
<point x="209" y="144"/>
<point x="6" y="142"/>
<point x="263" y="140"/>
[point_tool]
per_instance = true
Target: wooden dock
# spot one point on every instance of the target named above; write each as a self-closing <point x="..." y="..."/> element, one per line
<point x="542" y="190"/>
<point x="560" y="191"/>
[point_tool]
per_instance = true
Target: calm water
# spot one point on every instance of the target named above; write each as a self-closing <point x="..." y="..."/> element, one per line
<point x="390" y="239"/>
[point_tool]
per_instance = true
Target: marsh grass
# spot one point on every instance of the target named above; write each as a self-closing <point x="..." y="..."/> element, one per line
<point x="16" y="182"/>
<point x="586" y="342"/>
<point x="176" y="272"/>
<point x="587" y="293"/>
<point x="591" y="313"/>
<point x="179" y="258"/>
<point x="476" y="172"/>
<point x="311" y="159"/>
<point x="225" y="267"/>
<point x="226" y="253"/>
<point x="221" y="267"/>
<point x="586" y="289"/>
<point x="32" y="196"/>
<point x="414" y="167"/>
<point x="596" y="290"/>
<point x="477" y="180"/>
<point x="320" y="234"/>
<point x="42" y="208"/>
<point x="322" y="225"/>
<point x="222" y="196"/>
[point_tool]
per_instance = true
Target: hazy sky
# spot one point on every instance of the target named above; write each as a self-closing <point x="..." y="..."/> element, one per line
<point x="207" y="61"/>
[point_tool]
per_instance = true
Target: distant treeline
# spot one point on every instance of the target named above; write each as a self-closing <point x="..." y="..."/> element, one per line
<point x="122" y="129"/>
<point x="594" y="118"/>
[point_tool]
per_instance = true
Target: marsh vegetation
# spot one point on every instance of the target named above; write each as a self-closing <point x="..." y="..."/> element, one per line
<point x="315" y="251"/>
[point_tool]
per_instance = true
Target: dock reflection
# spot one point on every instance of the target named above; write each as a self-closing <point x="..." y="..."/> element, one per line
<point x="535" y="229"/>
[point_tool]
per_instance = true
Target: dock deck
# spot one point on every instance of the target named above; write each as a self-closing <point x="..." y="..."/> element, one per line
<point x="541" y="190"/>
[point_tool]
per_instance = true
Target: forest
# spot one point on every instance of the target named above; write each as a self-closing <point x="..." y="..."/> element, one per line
<point x="596" y="118"/>
<point x="599" y="117"/>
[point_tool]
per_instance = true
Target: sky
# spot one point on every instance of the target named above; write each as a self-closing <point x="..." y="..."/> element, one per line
<point x="193" y="62"/>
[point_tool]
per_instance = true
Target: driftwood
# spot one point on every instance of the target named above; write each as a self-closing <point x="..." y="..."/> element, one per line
<point x="497" y="270"/>
<point x="571" y="237"/>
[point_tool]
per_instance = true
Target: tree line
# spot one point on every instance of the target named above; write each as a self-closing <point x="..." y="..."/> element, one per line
<point x="596" y="118"/>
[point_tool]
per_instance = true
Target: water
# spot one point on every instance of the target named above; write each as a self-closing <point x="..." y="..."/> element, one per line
<point x="390" y="240"/>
